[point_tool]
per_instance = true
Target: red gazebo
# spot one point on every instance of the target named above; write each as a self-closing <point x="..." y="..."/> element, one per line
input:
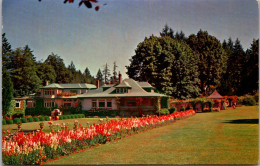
<point x="217" y="100"/>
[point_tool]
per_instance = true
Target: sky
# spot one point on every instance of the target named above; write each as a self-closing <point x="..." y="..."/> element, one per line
<point x="92" y="38"/>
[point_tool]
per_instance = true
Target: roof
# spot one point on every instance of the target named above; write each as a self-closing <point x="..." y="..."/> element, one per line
<point x="124" y="84"/>
<point x="136" y="91"/>
<point x="70" y="86"/>
<point x="215" y="95"/>
<point x="145" y="85"/>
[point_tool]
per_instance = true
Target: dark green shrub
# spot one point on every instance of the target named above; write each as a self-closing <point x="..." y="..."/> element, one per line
<point x="182" y="109"/>
<point x="9" y="121"/>
<point x="61" y="117"/>
<point x="187" y="108"/>
<point x="24" y="120"/>
<point x="64" y="116"/>
<point x="3" y="122"/>
<point x="72" y="116"/>
<point x="82" y="115"/>
<point x="249" y="100"/>
<point x="30" y="119"/>
<point x="41" y="118"/>
<point x="172" y="109"/>
<point x="163" y="111"/>
<point x="36" y="119"/>
<point x="16" y="120"/>
<point x="47" y="118"/>
<point x="76" y="116"/>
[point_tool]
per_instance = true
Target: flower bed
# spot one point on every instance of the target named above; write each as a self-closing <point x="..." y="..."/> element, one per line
<point x="23" y="149"/>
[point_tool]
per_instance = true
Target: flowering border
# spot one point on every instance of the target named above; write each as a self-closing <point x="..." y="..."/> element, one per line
<point x="38" y="147"/>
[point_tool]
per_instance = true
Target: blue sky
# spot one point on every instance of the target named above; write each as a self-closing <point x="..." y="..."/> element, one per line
<point x="91" y="39"/>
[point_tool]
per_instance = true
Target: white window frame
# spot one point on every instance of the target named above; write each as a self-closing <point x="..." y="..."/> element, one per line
<point x="18" y="102"/>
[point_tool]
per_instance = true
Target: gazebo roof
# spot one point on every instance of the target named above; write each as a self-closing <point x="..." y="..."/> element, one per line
<point x="215" y="95"/>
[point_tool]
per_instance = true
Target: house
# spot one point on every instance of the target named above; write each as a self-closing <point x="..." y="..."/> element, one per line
<point x="128" y="97"/>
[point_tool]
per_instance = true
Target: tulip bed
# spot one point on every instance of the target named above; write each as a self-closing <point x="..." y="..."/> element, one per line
<point x="33" y="148"/>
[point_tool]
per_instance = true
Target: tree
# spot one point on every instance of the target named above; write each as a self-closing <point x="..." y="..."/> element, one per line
<point x="7" y="91"/>
<point x="250" y="73"/>
<point x="23" y="72"/>
<point x="99" y="76"/>
<point x="62" y="73"/>
<point x="212" y="58"/>
<point x="169" y="65"/>
<point x="167" y="31"/>
<point x="6" y="50"/>
<point x="180" y="36"/>
<point x="46" y="72"/>
<point x="106" y="74"/>
<point x="114" y="78"/>
<point x="88" y="76"/>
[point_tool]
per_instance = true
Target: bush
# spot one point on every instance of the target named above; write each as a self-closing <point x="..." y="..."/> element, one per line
<point x="249" y="100"/>
<point x="82" y="115"/>
<point x="187" y="108"/>
<point x="72" y="116"/>
<point x="16" y="120"/>
<point x="47" y="118"/>
<point x="24" y="120"/>
<point x="3" y="122"/>
<point x="164" y="111"/>
<point x="64" y="116"/>
<point x="9" y="121"/>
<point x="172" y="109"/>
<point x="30" y="119"/>
<point x="61" y="117"/>
<point x="36" y="119"/>
<point x="41" y="118"/>
<point x="182" y="109"/>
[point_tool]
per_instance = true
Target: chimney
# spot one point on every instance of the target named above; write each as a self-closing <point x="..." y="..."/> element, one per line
<point x="97" y="84"/>
<point x="120" y="78"/>
<point x="46" y="83"/>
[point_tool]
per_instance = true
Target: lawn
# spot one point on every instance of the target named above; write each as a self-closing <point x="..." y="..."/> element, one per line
<point x="226" y="137"/>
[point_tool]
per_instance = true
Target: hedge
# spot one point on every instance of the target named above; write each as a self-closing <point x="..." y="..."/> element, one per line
<point x="3" y="122"/>
<point x="41" y="118"/>
<point x="164" y="111"/>
<point x="36" y="119"/>
<point x="47" y="118"/>
<point x="249" y="100"/>
<point x="16" y="120"/>
<point x="24" y="120"/>
<point x="9" y="121"/>
<point x="110" y="113"/>
<point x="30" y="119"/>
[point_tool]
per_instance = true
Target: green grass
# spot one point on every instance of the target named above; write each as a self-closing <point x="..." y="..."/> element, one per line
<point x="36" y="125"/>
<point x="226" y="137"/>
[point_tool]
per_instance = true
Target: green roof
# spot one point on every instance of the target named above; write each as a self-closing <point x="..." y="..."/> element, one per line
<point x="70" y="86"/>
<point x="124" y="84"/>
<point x="136" y="91"/>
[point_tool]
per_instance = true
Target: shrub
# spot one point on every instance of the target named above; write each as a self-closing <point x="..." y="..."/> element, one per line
<point x="30" y="119"/>
<point x="249" y="100"/>
<point x="77" y="116"/>
<point x="24" y="120"/>
<point x="60" y="117"/>
<point x="164" y="111"/>
<point x="3" y="122"/>
<point x="187" y="108"/>
<point x="182" y="109"/>
<point x="64" y="116"/>
<point x="16" y="120"/>
<point x="47" y="118"/>
<point x="82" y="115"/>
<point x="41" y="118"/>
<point x="9" y="121"/>
<point x="172" y="109"/>
<point x="72" y="116"/>
<point x="36" y="119"/>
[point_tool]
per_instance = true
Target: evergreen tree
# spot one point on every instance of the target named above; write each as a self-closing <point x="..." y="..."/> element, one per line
<point x="167" y="31"/>
<point x="106" y="74"/>
<point x="114" y="78"/>
<point x="7" y="91"/>
<point x="6" y="50"/>
<point x="23" y="72"/>
<point x="212" y="58"/>
<point x="99" y="77"/>
<point x="46" y="73"/>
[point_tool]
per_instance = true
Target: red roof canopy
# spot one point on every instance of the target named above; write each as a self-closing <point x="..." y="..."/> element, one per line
<point x="215" y="95"/>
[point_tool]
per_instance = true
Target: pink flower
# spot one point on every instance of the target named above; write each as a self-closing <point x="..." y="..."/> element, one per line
<point x="50" y="122"/>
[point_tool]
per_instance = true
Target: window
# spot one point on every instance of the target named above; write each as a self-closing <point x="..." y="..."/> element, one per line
<point x="109" y="103"/>
<point x="121" y="90"/>
<point x="101" y="103"/>
<point x="17" y="104"/>
<point x="49" y="92"/>
<point x="49" y="103"/>
<point x="30" y="103"/>
<point x="94" y="103"/>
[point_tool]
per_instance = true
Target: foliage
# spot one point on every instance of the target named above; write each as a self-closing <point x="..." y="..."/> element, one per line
<point x="41" y="118"/>
<point x="7" y="91"/>
<point x="16" y="120"/>
<point x="106" y="74"/>
<point x="249" y="100"/>
<point x="101" y="112"/>
<point x="35" y="119"/>
<point x="9" y="121"/>
<point x="172" y="110"/>
<point x="16" y="111"/>
<point x="99" y="77"/>
<point x="3" y="122"/>
<point x="164" y="111"/>
<point x="212" y="58"/>
<point x="24" y="120"/>
<point x="182" y="109"/>
<point x="46" y="118"/>
<point x="169" y="65"/>
<point x="30" y="119"/>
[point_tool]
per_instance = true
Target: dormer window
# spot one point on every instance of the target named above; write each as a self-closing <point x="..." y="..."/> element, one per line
<point x="121" y="90"/>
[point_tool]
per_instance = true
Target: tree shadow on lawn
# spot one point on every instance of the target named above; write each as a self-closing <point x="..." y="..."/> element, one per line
<point x="243" y="121"/>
